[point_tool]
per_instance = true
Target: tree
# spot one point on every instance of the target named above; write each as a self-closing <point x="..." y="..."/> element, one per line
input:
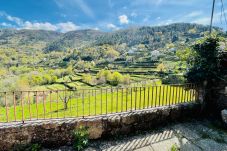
<point x="204" y="64"/>
<point x="205" y="70"/>
<point x="161" y="68"/>
<point x="66" y="97"/>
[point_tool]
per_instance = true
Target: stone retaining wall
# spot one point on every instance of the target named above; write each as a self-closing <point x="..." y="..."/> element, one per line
<point x="53" y="133"/>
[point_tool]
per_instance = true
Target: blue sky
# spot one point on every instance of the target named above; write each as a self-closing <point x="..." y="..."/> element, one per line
<point x="106" y="15"/>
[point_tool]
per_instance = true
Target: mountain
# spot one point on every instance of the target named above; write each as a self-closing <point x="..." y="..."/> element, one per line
<point x="32" y="39"/>
<point x="154" y="37"/>
<point x="75" y="39"/>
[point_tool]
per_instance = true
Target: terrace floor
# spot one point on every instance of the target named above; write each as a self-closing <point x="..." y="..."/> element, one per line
<point x="188" y="136"/>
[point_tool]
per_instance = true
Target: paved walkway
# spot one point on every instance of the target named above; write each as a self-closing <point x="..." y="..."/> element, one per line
<point x="187" y="136"/>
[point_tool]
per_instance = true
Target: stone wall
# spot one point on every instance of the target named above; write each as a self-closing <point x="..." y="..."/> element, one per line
<point x="53" y="133"/>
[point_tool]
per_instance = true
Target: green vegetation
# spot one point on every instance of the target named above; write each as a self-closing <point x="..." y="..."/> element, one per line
<point x="80" y="137"/>
<point x="85" y="59"/>
<point x="92" y="102"/>
<point x="174" y="148"/>
<point x="205" y="62"/>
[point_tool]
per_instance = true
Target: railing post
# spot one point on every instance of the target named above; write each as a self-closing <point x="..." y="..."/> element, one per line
<point x="14" y="106"/>
<point x="22" y="106"/>
<point x="6" y="106"/>
<point x="83" y="103"/>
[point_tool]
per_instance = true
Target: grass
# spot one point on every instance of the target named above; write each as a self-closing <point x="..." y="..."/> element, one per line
<point x="91" y="102"/>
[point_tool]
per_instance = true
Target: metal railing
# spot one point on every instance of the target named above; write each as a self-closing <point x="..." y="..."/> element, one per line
<point x="35" y="105"/>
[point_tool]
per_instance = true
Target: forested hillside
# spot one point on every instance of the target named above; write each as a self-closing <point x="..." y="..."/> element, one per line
<point x="38" y="59"/>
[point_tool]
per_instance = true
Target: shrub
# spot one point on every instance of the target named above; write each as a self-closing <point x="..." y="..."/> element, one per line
<point x="87" y="78"/>
<point x="80" y="138"/>
<point x="116" y="78"/>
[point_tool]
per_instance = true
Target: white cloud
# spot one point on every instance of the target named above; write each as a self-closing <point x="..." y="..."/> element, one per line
<point x="62" y="27"/>
<point x="14" y="19"/>
<point x="123" y="19"/>
<point x="38" y="26"/>
<point x="6" y="24"/>
<point x="112" y="26"/>
<point x="68" y="26"/>
<point x="11" y="18"/>
<point x="20" y="24"/>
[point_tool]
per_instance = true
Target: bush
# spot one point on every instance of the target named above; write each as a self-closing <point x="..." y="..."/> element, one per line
<point x="116" y="78"/>
<point x="80" y="138"/>
<point x="87" y="78"/>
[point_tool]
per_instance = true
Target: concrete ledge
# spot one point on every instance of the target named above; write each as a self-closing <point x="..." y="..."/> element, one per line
<point x="56" y="132"/>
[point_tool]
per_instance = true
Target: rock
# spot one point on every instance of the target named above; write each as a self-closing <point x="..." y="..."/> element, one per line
<point x="224" y="116"/>
<point x="128" y="120"/>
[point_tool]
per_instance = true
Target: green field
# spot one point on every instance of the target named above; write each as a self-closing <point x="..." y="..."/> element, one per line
<point x="50" y="104"/>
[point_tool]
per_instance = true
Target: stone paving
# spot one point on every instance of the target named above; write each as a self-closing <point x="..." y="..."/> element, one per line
<point x="186" y="136"/>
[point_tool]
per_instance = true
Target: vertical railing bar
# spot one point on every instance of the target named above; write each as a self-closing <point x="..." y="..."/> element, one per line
<point x="177" y="94"/>
<point x="192" y="88"/>
<point x="163" y="95"/>
<point x="148" y="97"/>
<point x="178" y="97"/>
<point x="51" y="116"/>
<point x="174" y="94"/>
<point x="160" y="92"/>
<point x="64" y="99"/>
<point x="77" y="104"/>
<point x="117" y="101"/>
<point x="156" y="89"/>
<point x="101" y="100"/>
<point x="135" y="98"/>
<point x="89" y="99"/>
<point x="126" y="99"/>
<point x="182" y="93"/>
<point x="44" y="107"/>
<point x="70" y="99"/>
<point x="122" y="97"/>
<point x="95" y="101"/>
<point x="131" y="98"/>
<point x="111" y="91"/>
<point x="194" y="92"/>
<point x="57" y="102"/>
<point x="170" y="95"/>
<point x="22" y="106"/>
<point x="14" y="105"/>
<point x="106" y="102"/>
<point x="152" y="96"/>
<point x="83" y="103"/>
<point x="189" y="93"/>
<point x="6" y="106"/>
<point x="37" y="112"/>
<point x="144" y="98"/>
<point x="140" y="98"/>
<point x="166" y="94"/>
